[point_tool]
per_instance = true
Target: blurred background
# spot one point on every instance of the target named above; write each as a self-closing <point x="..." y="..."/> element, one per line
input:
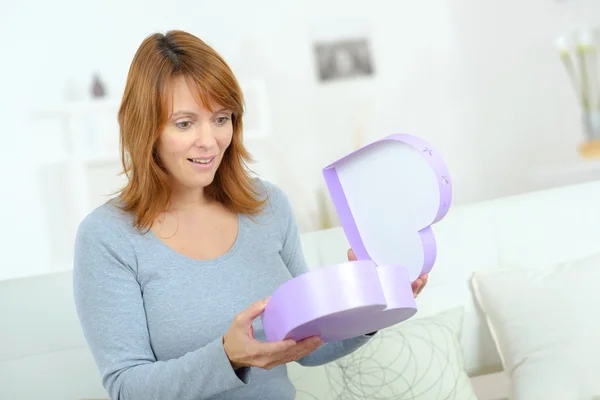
<point x="482" y="81"/>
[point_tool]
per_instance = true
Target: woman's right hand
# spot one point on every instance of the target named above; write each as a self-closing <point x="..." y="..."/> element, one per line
<point x="243" y="350"/>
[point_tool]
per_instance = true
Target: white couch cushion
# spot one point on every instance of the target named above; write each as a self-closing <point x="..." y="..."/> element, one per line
<point x="68" y="374"/>
<point x="43" y="353"/>
<point x="419" y="359"/>
<point x="544" y="320"/>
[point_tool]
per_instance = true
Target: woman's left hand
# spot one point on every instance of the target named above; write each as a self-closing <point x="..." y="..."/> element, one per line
<point x="417" y="285"/>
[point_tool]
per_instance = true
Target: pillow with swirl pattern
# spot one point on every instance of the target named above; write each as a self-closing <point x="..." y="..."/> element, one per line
<point x="419" y="359"/>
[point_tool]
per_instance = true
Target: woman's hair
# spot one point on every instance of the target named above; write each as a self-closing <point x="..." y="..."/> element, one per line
<point x="144" y="112"/>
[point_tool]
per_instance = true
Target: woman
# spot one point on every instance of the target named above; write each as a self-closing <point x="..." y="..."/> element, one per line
<point x="168" y="276"/>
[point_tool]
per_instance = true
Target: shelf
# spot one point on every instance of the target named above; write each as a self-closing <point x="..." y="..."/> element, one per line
<point x="79" y="107"/>
<point x="565" y="173"/>
<point x="254" y="134"/>
<point x="100" y="159"/>
<point x="584" y="166"/>
<point x="85" y="161"/>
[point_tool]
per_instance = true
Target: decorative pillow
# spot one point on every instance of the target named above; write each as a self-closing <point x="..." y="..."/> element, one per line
<point x="418" y="359"/>
<point x="545" y="321"/>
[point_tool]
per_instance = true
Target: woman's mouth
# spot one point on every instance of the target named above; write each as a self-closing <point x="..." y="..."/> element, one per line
<point x="202" y="162"/>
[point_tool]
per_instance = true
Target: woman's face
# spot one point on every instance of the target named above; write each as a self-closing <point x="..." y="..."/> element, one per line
<point x="192" y="144"/>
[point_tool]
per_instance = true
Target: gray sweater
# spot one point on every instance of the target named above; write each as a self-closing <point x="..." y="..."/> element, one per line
<point x="154" y="319"/>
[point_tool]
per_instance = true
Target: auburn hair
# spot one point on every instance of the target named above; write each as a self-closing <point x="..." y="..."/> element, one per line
<point x="143" y="114"/>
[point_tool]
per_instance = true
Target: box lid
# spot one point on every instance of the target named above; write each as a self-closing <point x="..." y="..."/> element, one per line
<point x="387" y="196"/>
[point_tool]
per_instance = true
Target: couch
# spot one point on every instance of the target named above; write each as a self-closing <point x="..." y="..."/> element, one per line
<point x="462" y="343"/>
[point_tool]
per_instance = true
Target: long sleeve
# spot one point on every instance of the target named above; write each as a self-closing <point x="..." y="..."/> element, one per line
<point x="293" y="257"/>
<point x="110" y="307"/>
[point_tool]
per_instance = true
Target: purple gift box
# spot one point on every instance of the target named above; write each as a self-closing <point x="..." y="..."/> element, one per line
<point x="387" y="195"/>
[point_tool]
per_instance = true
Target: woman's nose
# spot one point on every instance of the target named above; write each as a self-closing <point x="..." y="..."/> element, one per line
<point x="205" y="135"/>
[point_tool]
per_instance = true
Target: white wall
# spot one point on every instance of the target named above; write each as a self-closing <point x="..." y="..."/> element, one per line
<point x="479" y="80"/>
<point x="524" y="106"/>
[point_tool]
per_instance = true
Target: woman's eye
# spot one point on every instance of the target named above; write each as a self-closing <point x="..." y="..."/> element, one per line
<point x="222" y="120"/>
<point x="183" y="124"/>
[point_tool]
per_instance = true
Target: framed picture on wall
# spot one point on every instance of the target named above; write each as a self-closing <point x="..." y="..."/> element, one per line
<point x="342" y="50"/>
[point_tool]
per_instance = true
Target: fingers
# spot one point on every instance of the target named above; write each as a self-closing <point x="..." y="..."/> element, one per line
<point x="296" y="352"/>
<point x="419" y="284"/>
<point x="424" y="279"/>
<point x="270" y="355"/>
<point x="275" y="348"/>
<point x="304" y="348"/>
<point x="351" y="255"/>
<point x="416" y="284"/>
<point x="311" y="345"/>
<point x="418" y="292"/>
<point x="251" y="313"/>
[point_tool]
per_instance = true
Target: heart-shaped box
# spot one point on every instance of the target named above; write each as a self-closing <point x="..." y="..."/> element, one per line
<point x="387" y="195"/>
